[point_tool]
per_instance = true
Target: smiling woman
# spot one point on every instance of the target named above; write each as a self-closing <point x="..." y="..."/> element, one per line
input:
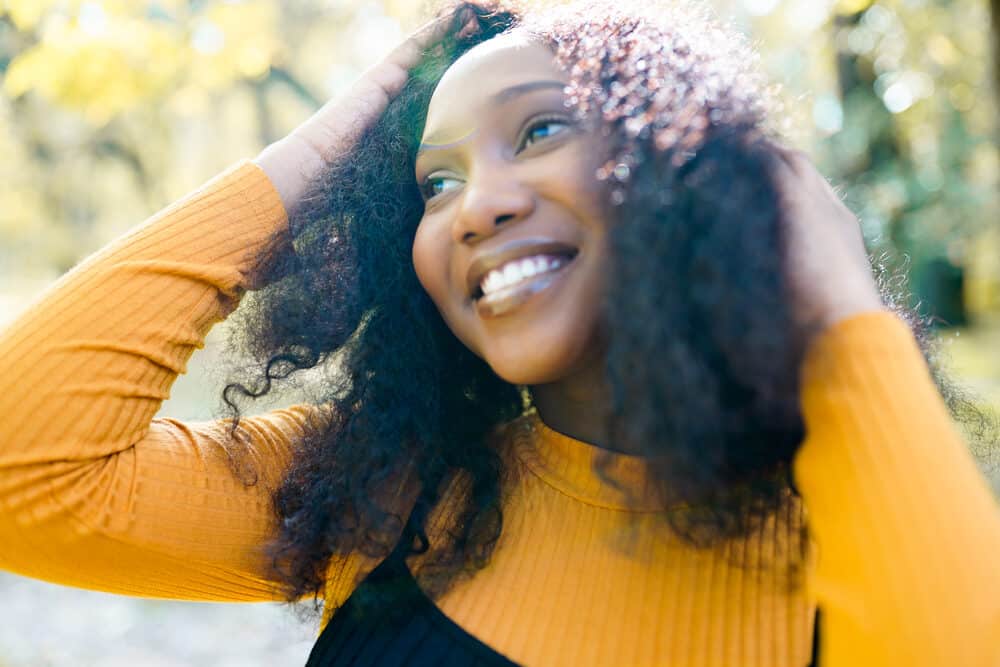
<point x="611" y="381"/>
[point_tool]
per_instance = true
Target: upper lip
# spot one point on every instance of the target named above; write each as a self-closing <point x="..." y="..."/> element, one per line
<point x="516" y="249"/>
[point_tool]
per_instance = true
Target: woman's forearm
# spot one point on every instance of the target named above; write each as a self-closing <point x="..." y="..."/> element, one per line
<point x="85" y="368"/>
<point x="95" y="492"/>
<point x="906" y="527"/>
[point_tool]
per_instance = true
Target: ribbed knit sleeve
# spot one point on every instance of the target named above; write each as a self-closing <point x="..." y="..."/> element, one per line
<point x="93" y="491"/>
<point x="907" y="529"/>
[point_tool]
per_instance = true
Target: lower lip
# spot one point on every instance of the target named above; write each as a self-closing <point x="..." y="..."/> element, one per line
<point x="502" y="302"/>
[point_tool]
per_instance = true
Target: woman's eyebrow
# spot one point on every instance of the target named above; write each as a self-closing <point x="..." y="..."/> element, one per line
<point x="522" y="88"/>
<point x="433" y="142"/>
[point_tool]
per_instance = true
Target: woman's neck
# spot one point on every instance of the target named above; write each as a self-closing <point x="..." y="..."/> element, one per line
<point x="578" y="405"/>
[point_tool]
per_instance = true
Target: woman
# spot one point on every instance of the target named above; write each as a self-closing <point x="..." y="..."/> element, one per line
<point x="602" y="353"/>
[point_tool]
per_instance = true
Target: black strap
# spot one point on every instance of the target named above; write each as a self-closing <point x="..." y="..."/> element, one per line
<point x="814" y="662"/>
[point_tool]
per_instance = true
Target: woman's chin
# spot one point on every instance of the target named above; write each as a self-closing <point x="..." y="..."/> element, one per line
<point x="525" y="368"/>
<point x="519" y="377"/>
<point x="556" y="350"/>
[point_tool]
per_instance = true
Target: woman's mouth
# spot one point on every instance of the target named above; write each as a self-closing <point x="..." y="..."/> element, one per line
<point x="508" y="286"/>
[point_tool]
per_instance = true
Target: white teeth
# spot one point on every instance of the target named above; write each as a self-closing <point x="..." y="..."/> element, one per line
<point x="518" y="270"/>
<point x="488" y="282"/>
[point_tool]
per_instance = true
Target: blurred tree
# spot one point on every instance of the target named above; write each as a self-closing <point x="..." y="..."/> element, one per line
<point x="937" y="150"/>
<point x="112" y="108"/>
<point x="904" y="114"/>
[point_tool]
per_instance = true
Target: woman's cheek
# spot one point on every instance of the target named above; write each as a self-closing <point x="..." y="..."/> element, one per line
<point x="422" y="259"/>
<point x="432" y="263"/>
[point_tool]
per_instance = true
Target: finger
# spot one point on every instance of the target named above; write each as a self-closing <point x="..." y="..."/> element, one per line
<point x="797" y="161"/>
<point x="409" y="52"/>
<point x="390" y="75"/>
<point x="328" y="133"/>
<point x="797" y="173"/>
<point x="784" y="173"/>
<point x="804" y="166"/>
<point x="437" y="28"/>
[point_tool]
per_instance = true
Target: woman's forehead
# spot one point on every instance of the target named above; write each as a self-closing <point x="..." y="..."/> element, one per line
<point x="472" y="83"/>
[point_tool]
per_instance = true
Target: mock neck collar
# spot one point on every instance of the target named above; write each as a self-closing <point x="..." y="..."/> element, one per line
<point x="584" y="471"/>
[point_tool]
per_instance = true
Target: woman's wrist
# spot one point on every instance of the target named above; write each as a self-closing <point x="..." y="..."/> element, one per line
<point x="848" y="306"/>
<point x="290" y="165"/>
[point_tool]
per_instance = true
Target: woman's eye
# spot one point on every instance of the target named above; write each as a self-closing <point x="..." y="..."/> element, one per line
<point x="539" y="130"/>
<point x="436" y="185"/>
<point x="544" y="129"/>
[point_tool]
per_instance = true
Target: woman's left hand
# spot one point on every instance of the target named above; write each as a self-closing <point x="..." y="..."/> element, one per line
<point x="828" y="270"/>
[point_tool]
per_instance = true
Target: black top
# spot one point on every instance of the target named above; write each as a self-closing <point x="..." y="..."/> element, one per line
<point x="406" y="629"/>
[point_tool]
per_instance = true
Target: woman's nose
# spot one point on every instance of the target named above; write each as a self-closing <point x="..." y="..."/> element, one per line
<point x="486" y="204"/>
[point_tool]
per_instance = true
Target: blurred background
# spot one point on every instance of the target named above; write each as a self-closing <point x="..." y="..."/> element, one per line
<point x="110" y="110"/>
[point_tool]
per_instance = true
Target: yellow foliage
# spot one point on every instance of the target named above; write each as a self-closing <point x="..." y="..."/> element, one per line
<point x="25" y="14"/>
<point x="247" y="32"/>
<point x="100" y="76"/>
<point x="107" y="58"/>
<point x="852" y="6"/>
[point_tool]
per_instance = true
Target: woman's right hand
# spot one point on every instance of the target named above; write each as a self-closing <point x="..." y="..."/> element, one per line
<point x="293" y="161"/>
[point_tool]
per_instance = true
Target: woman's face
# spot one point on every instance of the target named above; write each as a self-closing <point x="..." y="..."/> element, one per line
<point x="511" y="246"/>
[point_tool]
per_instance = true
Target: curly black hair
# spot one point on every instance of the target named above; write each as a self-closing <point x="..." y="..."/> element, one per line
<point x="703" y="357"/>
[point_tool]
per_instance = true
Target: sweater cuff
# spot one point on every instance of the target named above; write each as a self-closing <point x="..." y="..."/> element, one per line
<point x="868" y="335"/>
<point x="267" y="232"/>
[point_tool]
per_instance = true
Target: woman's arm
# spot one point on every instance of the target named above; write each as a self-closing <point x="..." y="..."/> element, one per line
<point x="905" y="526"/>
<point x="93" y="491"/>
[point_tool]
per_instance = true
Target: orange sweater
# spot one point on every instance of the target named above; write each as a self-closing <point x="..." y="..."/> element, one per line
<point x="96" y="493"/>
